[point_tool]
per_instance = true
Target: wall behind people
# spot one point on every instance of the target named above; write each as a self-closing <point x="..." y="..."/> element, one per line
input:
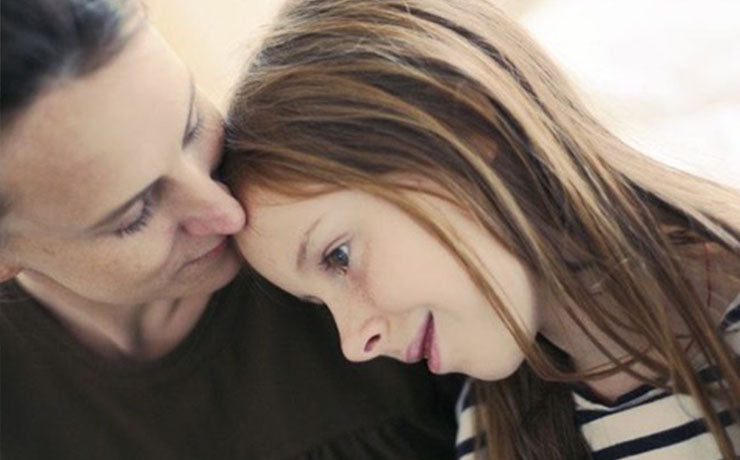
<point x="664" y="75"/>
<point x="212" y="37"/>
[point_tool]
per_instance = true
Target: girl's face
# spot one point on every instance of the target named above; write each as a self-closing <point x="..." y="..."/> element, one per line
<point x="391" y="287"/>
<point x="108" y="184"/>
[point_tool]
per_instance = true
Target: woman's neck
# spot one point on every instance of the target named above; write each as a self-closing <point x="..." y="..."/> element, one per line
<point x="142" y="332"/>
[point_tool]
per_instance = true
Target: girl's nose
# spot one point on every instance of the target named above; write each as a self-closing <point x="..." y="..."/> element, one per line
<point x="366" y="342"/>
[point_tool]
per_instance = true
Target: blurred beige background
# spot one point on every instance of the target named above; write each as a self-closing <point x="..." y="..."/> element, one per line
<point x="663" y="74"/>
<point x="214" y="37"/>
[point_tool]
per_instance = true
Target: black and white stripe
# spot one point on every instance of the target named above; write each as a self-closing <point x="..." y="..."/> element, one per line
<point x="646" y="423"/>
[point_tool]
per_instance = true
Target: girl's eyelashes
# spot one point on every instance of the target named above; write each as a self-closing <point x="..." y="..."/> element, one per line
<point x="142" y="220"/>
<point x="337" y="259"/>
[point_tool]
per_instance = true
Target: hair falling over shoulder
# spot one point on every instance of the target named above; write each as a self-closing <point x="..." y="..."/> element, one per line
<point x="356" y="93"/>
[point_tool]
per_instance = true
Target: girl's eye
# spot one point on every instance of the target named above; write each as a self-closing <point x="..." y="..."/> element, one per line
<point x="337" y="260"/>
<point x="141" y="221"/>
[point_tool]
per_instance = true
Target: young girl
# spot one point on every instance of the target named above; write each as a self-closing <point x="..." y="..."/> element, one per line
<point x="421" y="168"/>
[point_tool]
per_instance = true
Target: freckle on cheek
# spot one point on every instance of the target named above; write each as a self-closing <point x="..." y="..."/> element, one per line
<point x="364" y="283"/>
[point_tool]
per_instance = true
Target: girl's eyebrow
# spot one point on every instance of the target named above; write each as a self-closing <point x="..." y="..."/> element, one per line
<point x="302" y="248"/>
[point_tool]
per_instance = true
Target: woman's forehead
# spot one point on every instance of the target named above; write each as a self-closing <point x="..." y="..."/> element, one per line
<point x="87" y="143"/>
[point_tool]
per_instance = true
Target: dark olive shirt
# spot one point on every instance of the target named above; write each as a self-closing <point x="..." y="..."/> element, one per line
<point x="260" y="376"/>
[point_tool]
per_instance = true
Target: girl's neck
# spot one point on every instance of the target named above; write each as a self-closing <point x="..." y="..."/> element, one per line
<point x="562" y="331"/>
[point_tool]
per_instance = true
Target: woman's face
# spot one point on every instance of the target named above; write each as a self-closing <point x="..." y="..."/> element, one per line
<point x="392" y="288"/>
<point x="108" y="184"/>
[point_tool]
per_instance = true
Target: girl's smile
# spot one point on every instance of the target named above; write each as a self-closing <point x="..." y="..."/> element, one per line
<point x="392" y="288"/>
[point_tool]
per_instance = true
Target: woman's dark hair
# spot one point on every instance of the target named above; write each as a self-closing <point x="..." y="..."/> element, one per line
<point x="43" y="40"/>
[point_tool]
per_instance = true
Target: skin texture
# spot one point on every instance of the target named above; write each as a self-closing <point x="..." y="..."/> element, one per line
<point x="84" y="148"/>
<point x="381" y="275"/>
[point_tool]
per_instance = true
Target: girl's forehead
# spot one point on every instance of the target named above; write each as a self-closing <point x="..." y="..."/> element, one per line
<point x="267" y="202"/>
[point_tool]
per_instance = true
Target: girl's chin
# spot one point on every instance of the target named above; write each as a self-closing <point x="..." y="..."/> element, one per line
<point x="500" y="371"/>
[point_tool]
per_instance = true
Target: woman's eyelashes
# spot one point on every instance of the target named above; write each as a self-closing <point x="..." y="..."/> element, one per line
<point x="142" y="220"/>
<point x="194" y="132"/>
<point x="148" y="200"/>
<point x="336" y="260"/>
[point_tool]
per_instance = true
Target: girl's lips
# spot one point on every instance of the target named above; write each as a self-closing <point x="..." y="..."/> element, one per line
<point x="425" y="346"/>
<point x="415" y="350"/>
<point x="431" y="353"/>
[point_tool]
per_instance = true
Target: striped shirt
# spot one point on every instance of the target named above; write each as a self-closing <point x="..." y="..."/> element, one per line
<point x="646" y="423"/>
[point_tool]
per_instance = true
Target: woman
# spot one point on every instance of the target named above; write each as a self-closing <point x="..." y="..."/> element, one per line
<point x="122" y="335"/>
<point x="423" y="170"/>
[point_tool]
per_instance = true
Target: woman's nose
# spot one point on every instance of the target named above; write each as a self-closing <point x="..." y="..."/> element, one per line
<point x="211" y="209"/>
<point x="222" y="218"/>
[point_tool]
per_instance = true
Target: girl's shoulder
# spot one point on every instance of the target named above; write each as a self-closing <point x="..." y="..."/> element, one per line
<point x="639" y="422"/>
<point x="647" y="419"/>
<point x="731" y="321"/>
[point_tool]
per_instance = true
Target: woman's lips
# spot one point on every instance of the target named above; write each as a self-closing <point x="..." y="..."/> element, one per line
<point x="424" y="346"/>
<point x="211" y="253"/>
<point x="213" y="256"/>
<point x="216" y="249"/>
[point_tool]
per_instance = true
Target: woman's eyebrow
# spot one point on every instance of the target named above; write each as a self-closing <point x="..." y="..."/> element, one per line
<point x="121" y="210"/>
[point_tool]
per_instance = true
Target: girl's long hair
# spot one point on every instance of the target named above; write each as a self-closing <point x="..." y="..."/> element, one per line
<point x="357" y="93"/>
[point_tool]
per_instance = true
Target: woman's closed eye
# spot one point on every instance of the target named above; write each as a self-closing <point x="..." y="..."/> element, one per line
<point x="194" y="132"/>
<point x="337" y="259"/>
<point x="142" y="220"/>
